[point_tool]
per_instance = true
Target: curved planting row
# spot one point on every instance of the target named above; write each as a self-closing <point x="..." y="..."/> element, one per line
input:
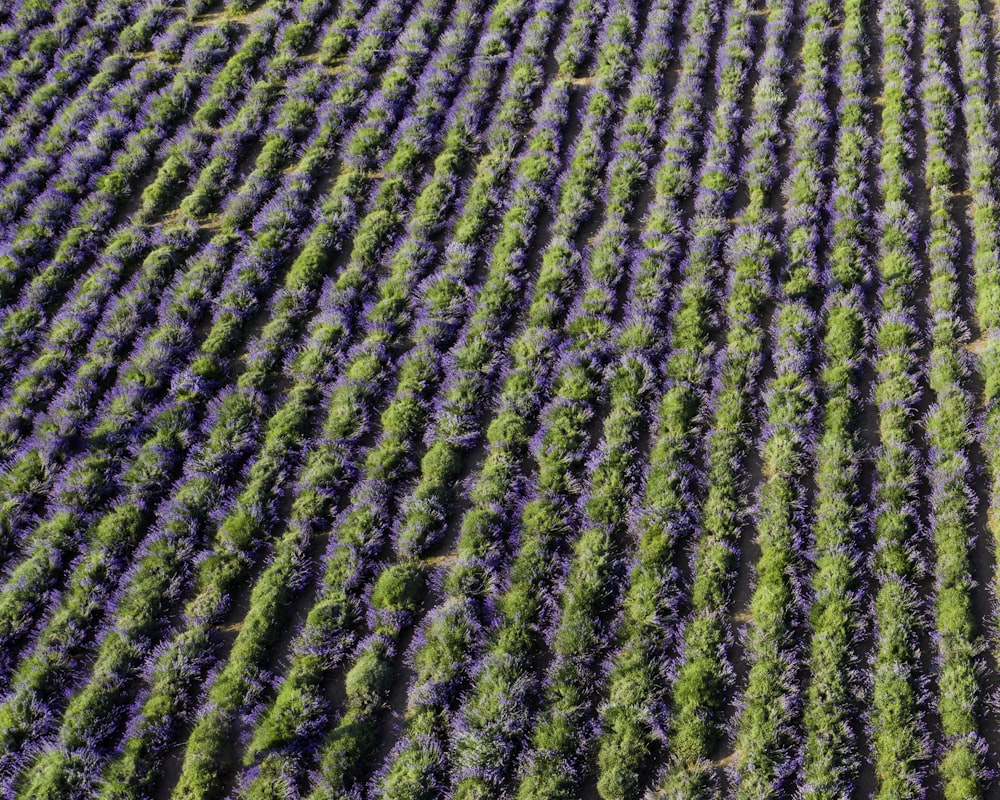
<point x="159" y="264"/>
<point x="167" y="423"/>
<point x="506" y="693"/>
<point x="27" y="575"/>
<point x="632" y="741"/>
<point x="234" y="272"/>
<point x="31" y="311"/>
<point x="538" y="371"/>
<point x="282" y="730"/>
<point x="94" y="178"/>
<point x="82" y="169"/>
<point x="473" y="399"/>
<point x="355" y="399"/>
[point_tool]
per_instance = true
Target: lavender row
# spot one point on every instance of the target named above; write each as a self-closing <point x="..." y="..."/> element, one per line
<point x="13" y="605"/>
<point x="224" y="567"/>
<point x="236" y="293"/>
<point x="31" y="312"/>
<point x="20" y="73"/>
<point x="949" y="421"/>
<point x="831" y="711"/>
<point x="350" y="414"/>
<point x="181" y="400"/>
<point x="589" y="322"/>
<point x="506" y="699"/>
<point x="136" y="126"/>
<point x="159" y="262"/>
<point x="28" y="576"/>
<point x="767" y="732"/>
<point x="435" y="330"/>
<point x="93" y="179"/>
<point x="678" y="659"/>
<point x="208" y="50"/>
<point x="983" y="170"/>
<point x="207" y="156"/>
<point x="401" y="414"/>
<point x="420" y="528"/>
<point x="631" y="726"/>
<point x="22" y="325"/>
<point x="983" y="174"/>
<point x="452" y="635"/>
<point x="293" y="29"/>
<point x="97" y="115"/>
<point x="76" y="154"/>
<point x="94" y="466"/>
<point x="31" y="18"/>
<point x="896" y="725"/>
<point x="633" y="718"/>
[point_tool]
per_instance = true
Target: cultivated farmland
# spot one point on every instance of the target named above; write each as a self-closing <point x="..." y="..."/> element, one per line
<point x="499" y="399"/>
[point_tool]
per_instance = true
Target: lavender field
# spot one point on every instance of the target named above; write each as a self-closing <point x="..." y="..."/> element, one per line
<point x="514" y="400"/>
